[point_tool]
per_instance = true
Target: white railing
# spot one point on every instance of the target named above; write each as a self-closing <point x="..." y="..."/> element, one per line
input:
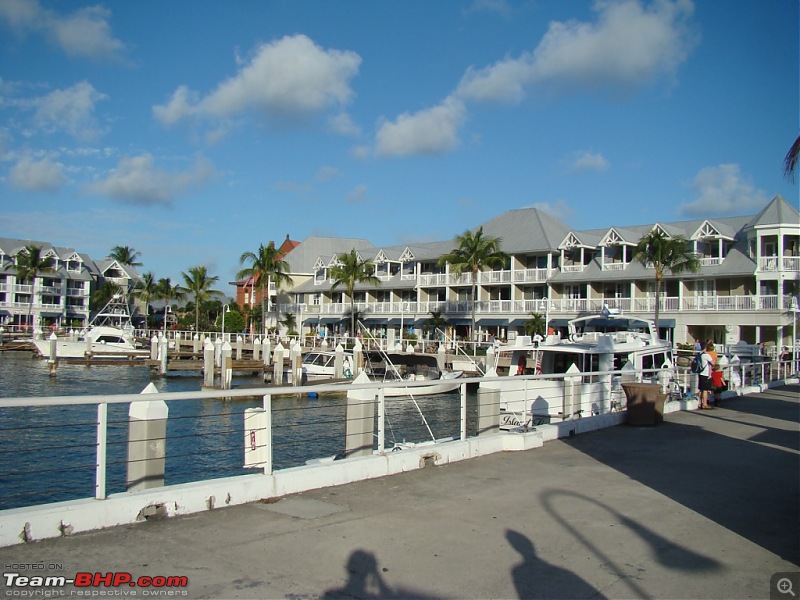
<point x="529" y="275"/>
<point x="617" y="266"/>
<point x="791" y="263"/>
<point x="768" y="264"/>
<point x="709" y="261"/>
<point x="494" y="277"/>
<point x="572" y="268"/>
<point x="433" y="279"/>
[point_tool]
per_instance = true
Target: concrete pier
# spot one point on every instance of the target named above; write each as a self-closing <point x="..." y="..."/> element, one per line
<point x="704" y="505"/>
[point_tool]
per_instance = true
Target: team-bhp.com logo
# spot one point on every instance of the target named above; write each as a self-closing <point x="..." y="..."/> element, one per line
<point x="93" y="584"/>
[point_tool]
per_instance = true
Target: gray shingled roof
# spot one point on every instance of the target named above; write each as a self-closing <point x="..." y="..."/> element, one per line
<point x="302" y="258"/>
<point x="777" y="212"/>
<point x="526" y="230"/>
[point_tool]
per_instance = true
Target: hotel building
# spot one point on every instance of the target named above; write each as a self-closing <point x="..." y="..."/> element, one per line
<point x="746" y="288"/>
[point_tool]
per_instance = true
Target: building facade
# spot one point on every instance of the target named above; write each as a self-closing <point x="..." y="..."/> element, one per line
<point x="746" y="289"/>
<point x="58" y="299"/>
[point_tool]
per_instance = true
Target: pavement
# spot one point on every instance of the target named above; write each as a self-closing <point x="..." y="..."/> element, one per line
<point x="704" y="505"/>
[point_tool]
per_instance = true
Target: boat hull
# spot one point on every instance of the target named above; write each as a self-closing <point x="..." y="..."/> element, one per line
<point x="71" y="349"/>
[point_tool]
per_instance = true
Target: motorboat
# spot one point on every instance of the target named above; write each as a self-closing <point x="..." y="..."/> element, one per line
<point x="320" y="365"/>
<point x="389" y="367"/>
<point x="110" y="334"/>
<point x="572" y="373"/>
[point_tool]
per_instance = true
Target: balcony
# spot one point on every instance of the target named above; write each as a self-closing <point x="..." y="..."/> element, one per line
<point x="529" y="276"/>
<point x="615" y="266"/>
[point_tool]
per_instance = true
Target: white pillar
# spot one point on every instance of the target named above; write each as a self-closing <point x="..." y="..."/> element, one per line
<point x="147" y="442"/>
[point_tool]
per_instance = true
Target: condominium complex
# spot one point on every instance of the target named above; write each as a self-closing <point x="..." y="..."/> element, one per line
<point x="746" y="288"/>
<point x="59" y="298"/>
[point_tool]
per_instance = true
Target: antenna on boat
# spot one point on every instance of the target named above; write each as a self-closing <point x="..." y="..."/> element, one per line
<point x="458" y="349"/>
<point x="367" y="333"/>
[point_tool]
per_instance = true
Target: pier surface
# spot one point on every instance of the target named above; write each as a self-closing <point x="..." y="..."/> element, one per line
<point x="705" y="505"/>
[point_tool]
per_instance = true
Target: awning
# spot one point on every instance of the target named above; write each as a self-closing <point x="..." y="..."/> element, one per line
<point x="668" y="323"/>
<point x="321" y="320"/>
<point x="492" y="322"/>
<point x="520" y="322"/>
<point x="558" y="322"/>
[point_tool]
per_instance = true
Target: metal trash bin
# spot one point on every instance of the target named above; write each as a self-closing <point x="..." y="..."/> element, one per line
<point x="645" y="403"/>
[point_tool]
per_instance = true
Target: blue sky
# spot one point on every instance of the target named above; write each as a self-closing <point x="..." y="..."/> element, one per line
<point x="193" y="131"/>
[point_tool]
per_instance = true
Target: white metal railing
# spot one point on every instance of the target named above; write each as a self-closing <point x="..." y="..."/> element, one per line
<point x="17" y="438"/>
<point x="529" y="275"/>
<point x="791" y="263"/>
<point x="768" y="263"/>
<point x="709" y="261"/>
<point x="616" y="266"/>
<point x="572" y="268"/>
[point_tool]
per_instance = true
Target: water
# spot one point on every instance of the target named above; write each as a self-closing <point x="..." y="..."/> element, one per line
<point x="48" y="454"/>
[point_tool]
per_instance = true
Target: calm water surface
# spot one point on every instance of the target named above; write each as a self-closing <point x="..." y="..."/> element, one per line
<point x="48" y="454"/>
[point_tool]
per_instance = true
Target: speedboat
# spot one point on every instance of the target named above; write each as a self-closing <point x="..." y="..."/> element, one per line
<point x="573" y="373"/>
<point x="110" y="334"/>
<point x="320" y="365"/>
<point x="388" y="367"/>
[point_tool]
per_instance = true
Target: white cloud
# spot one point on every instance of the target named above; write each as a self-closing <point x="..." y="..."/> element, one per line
<point x="588" y="161"/>
<point x="358" y="195"/>
<point x="70" y="110"/>
<point x="291" y="77"/>
<point x="326" y="173"/>
<point x="722" y="191"/>
<point x="558" y="209"/>
<point x="37" y="175"/>
<point x="343" y="124"/>
<point x="85" y="33"/>
<point x="629" y="46"/>
<point x="428" y="131"/>
<point x="136" y="180"/>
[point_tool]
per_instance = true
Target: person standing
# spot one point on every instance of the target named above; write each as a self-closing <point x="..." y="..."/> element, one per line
<point x="704" y="377"/>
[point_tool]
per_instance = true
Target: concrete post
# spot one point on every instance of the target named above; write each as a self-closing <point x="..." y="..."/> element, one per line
<point x="488" y="411"/>
<point x="441" y="357"/>
<point x="256" y="349"/>
<point x="218" y="352"/>
<point x="147" y="442"/>
<point x="358" y="358"/>
<point x="410" y="349"/>
<point x="208" y="364"/>
<point x="88" y="351"/>
<point x="239" y="347"/>
<point x="227" y="366"/>
<point x="53" y="360"/>
<point x="277" y="366"/>
<point x="266" y="349"/>
<point x="196" y="344"/>
<point x="360" y="421"/>
<point x="572" y="395"/>
<point x="162" y="355"/>
<point x="154" y="347"/>
<point x="338" y="362"/>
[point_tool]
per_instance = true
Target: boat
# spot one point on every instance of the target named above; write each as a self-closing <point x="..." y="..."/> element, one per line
<point x="110" y="334"/>
<point x="595" y="343"/>
<point x="320" y="365"/>
<point x="389" y="367"/>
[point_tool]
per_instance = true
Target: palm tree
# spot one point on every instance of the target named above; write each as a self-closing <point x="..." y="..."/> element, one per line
<point x="475" y="252"/>
<point x="535" y="324"/>
<point x="126" y="256"/>
<point x="790" y="162"/>
<point x="349" y="270"/>
<point x="437" y="321"/>
<point x="289" y="321"/>
<point x="30" y="264"/>
<point x="198" y="283"/>
<point x="146" y="290"/>
<point x="266" y="266"/>
<point x="166" y="291"/>
<point x="665" y="253"/>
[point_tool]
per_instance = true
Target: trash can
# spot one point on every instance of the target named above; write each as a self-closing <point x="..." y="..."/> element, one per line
<point x="645" y="403"/>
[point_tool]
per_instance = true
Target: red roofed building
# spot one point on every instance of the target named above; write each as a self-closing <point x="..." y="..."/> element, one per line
<point x="246" y="293"/>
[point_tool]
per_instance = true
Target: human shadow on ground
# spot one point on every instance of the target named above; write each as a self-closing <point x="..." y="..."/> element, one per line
<point x="536" y="578"/>
<point x="744" y="486"/>
<point x="365" y="581"/>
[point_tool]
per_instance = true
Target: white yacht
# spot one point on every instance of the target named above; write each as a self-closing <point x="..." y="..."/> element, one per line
<point x="596" y="343"/>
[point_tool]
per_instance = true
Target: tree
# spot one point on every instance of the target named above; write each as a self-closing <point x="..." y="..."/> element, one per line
<point x="198" y="283"/>
<point x="30" y="264"/>
<point x="475" y="252"/>
<point x="167" y="292"/>
<point x="146" y="289"/>
<point x="790" y="162"/>
<point x="348" y="271"/>
<point x="665" y="253"/>
<point x="535" y="325"/>
<point x="289" y="321"/>
<point x="266" y="266"/>
<point x="126" y="256"/>
<point x="436" y="321"/>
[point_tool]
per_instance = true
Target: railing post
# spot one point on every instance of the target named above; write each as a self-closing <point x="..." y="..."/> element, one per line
<point x="147" y="442"/>
<point x="100" y="468"/>
<point x="463" y="418"/>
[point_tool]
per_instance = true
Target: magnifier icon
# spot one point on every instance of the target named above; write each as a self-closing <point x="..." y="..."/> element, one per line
<point x="784" y="586"/>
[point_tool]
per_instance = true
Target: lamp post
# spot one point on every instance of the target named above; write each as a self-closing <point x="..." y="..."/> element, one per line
<point x="225" y="308"/>
<point x="167" y="310"/>
<point x="546" y="303"/>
